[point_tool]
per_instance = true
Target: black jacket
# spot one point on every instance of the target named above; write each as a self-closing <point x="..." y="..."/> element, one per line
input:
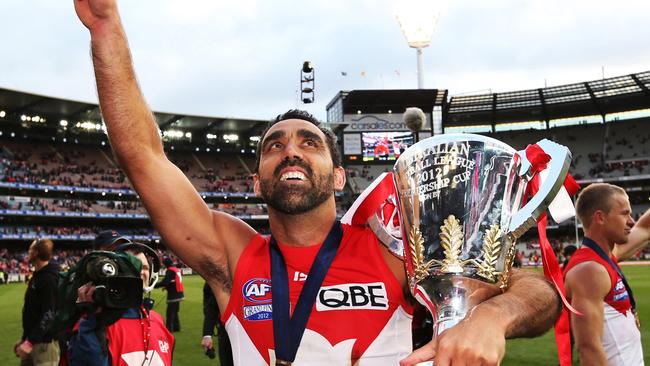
<point x="40" y="304"/>
<point x="169" y="283"/>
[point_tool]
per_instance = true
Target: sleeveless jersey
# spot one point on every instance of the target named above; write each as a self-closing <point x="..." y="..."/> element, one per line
<point x="621" y="338"/>
<point x="126" y="340"/>
<point x="360" y="316"/>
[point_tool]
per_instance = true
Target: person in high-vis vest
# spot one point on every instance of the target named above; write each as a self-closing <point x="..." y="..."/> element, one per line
<point x="173" y="284"/>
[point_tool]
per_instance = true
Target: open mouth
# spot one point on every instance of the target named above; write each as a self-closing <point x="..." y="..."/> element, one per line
<point x="293" y="176"/>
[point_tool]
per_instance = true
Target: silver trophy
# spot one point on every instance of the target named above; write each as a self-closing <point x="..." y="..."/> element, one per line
<point x="460" y="203"/>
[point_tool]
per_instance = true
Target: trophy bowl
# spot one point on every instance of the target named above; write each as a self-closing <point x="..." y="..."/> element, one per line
<point x="460" y="208"/>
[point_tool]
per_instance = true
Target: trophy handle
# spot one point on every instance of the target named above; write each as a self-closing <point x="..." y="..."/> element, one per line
<point x="388" y="235"/>
<point x="558" y="167"/>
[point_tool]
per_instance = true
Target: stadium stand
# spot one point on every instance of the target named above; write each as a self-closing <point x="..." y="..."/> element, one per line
<point x="63" y="182"/>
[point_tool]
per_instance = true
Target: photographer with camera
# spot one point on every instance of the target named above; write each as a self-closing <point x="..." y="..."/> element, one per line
<point x="117" y="328"/>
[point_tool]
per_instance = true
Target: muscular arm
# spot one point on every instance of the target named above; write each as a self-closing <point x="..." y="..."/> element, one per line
<point x="639" y="238"/>
<point x="587" y="284"/>
<point x="528" y="308"/>
<point x="194" y="233"/>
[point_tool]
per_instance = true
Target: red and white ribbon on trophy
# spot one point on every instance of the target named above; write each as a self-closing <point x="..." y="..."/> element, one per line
<point x="371" y="200"/>
<point x="561" y="208"/>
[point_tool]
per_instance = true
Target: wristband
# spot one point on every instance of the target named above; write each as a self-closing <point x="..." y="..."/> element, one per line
<point x="27" y="343"/>
<point x="207" y="336"/>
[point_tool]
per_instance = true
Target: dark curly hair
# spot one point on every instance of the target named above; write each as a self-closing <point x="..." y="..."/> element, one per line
<point x="305" y="116"/>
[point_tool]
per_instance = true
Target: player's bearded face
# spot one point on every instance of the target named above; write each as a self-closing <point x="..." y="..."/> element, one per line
<point x="294" y="199"/>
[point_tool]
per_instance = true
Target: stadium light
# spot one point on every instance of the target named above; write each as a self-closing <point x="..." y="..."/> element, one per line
<point x="63" y="123"/>
<point x="231" y="137"/>
<point x="417" y="19"/>
<point x="3" y="114"/>
<point x="173" y="133"/>
<point x="307" y="85"/>
<point x="254" y="138"/>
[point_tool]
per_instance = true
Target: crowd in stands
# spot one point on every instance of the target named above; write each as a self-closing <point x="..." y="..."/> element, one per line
<point x="87" y="166"/>
<point x="29" y="164"/>
<point x="16" y="263"/>
<point x="45" y="231"/>
<point x="130" y="207"/>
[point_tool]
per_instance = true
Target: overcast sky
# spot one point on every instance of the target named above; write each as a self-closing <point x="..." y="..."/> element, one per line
<point x="242" y="58"/>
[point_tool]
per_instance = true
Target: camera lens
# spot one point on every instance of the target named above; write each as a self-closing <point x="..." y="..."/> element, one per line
<point x="100" y="268"/>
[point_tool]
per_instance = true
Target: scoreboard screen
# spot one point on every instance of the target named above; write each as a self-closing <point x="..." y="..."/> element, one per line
<point x="384" y="146"/>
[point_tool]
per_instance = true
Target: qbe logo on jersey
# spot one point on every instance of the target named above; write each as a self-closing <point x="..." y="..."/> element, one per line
<point x="257" y="299"/>
<point x="353" y="296"/>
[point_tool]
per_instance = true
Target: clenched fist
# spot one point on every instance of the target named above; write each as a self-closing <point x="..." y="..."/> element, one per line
<point x="93" y="12"/>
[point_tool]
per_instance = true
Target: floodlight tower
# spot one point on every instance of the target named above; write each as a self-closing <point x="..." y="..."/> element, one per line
<point x="307" y="84"/>
<point x="417" y="19"/>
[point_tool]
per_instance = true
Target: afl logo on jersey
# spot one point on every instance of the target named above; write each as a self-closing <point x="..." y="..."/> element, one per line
<point x="257" y="290"/>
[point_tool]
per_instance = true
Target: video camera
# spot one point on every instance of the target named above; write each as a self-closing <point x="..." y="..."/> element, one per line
<point x="116" y="277"/>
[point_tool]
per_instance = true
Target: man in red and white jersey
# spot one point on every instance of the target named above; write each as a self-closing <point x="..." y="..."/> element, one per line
<point x="354" y="309"/>
<point x="607" y="333"/>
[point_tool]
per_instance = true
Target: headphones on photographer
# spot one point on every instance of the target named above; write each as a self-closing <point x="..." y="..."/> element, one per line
<point x="152" y="257"/>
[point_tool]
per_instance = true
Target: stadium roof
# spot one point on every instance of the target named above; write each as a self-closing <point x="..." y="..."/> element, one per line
<point x="598" y="97"/>
<point x="17" y="103"/>
<point x="382" y="100"/>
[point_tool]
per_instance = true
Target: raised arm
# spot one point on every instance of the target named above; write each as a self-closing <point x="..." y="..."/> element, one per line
<point x="639" y="238"/>
<point x="528" y="308"/>
<point x="587" y="284"/>
<point x="194" y="233"/>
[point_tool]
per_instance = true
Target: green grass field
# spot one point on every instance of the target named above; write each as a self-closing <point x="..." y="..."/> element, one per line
<point x="529" y="352"/>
